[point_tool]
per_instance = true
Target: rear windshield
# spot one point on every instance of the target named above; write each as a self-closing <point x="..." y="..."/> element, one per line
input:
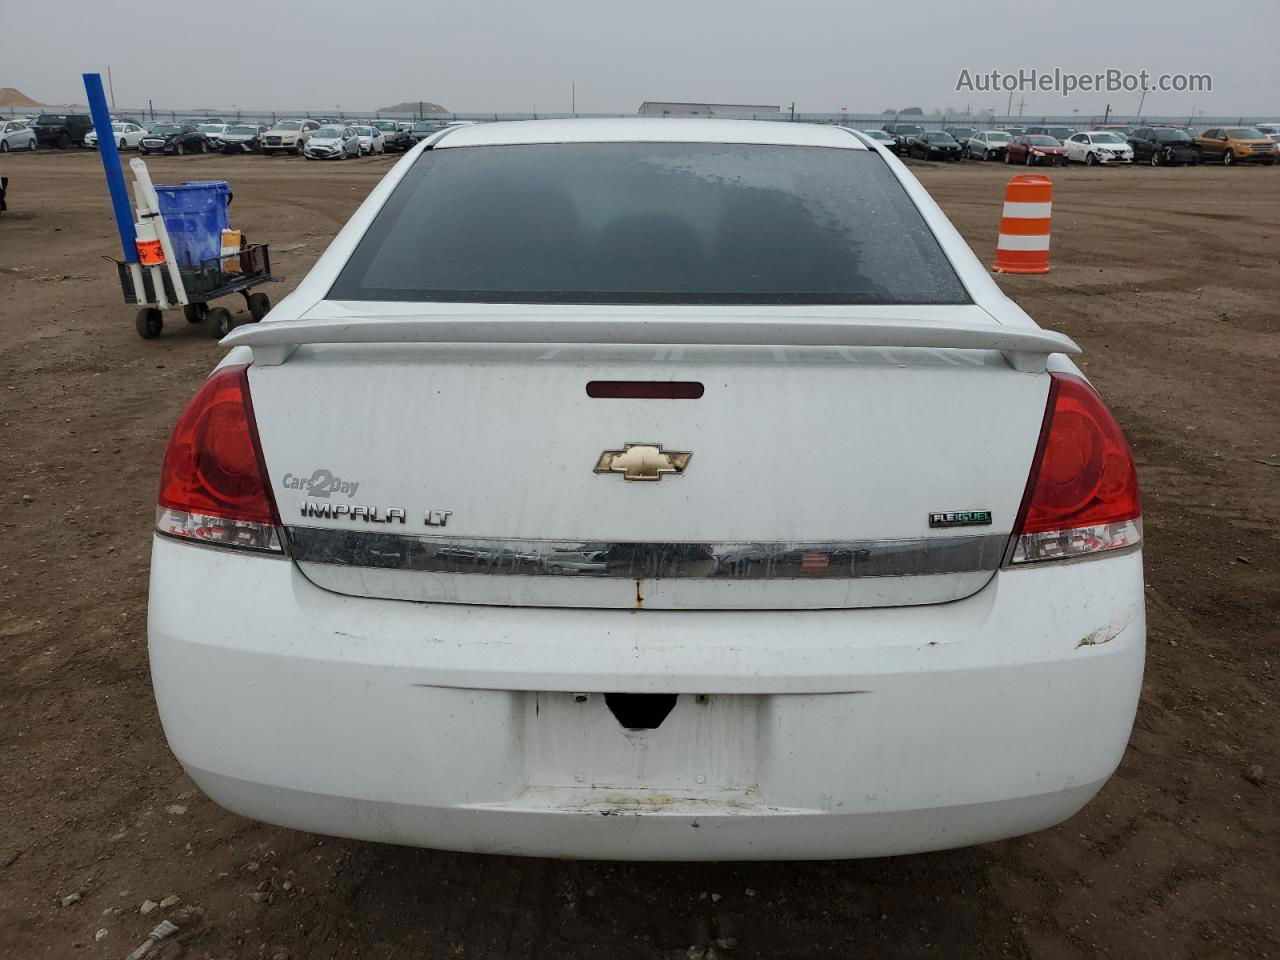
<point x="650" y="223"/>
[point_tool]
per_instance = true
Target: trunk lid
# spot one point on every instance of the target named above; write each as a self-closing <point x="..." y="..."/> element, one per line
<point x="485" y="473"/>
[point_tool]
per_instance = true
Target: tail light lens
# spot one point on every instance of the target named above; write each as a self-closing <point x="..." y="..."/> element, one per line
<point x="1082" y="495"/>
<point x="213" y="485"/>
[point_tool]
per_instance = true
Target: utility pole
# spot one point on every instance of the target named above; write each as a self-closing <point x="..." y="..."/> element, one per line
<point x="152" y="108"/>
<point x="1107" y="116"/>
<point x="573" y="98"/>
<point x="1141" y="102"/>
<point x="793" y="111"/>
<point x="1008" y="111"/>
<point x="112" y="88"/>
<point x="1021" y="105"/>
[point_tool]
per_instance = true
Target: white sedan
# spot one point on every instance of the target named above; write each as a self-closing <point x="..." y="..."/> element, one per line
<point x="691" y="492"/>
<point x="1094" y="147"/>
<point x="127" y="135"/>
<point x="371" y="140"/>
<point x="16" y="135"/>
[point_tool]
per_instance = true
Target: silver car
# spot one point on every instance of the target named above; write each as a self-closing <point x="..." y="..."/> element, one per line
<point x="333" y="142"/>
<point x="16" y="135"/>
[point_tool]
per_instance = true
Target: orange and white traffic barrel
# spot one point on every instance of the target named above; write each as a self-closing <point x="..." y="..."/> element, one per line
<point x="1023" y="246"/>
<point x="150" y="250"/>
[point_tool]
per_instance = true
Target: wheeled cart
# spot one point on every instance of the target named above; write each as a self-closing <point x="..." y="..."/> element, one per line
<point x="188" y="257"/>
<point x="201" y="285"/>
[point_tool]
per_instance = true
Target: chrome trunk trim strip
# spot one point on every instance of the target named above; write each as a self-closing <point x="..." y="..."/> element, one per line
<point x="631" y="560"/>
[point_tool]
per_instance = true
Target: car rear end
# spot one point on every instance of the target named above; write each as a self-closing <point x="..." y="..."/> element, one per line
<point x="611" y="490"/>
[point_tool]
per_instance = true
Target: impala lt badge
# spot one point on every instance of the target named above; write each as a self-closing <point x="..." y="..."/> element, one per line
<point x="642" y="461"/>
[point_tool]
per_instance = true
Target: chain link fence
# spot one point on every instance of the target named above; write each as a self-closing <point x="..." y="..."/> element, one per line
<point x="1079" y="121"/>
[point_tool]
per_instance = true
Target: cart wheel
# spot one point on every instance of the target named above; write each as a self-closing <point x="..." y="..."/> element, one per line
<point x="195" y="312"/>
<point x="148" y="323"/>
<point x="220" y="322"/>
<point x="259" y="305"/>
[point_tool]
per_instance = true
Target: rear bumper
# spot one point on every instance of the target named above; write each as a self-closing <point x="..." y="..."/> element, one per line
<point x="824" y="733"/>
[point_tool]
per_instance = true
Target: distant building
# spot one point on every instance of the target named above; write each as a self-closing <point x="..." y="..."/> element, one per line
<point x="657" y="108"/>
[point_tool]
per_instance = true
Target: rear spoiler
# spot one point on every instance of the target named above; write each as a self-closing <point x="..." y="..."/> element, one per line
<point x="1026" y="348"/>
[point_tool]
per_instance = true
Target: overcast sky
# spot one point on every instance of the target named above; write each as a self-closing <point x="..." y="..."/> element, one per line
<point x="516" y="57"/>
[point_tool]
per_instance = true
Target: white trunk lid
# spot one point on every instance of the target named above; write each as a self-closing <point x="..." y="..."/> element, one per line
<point x="466" y="473"/>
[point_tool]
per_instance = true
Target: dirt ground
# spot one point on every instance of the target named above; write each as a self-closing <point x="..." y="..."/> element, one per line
<point x="1168" y="279"/>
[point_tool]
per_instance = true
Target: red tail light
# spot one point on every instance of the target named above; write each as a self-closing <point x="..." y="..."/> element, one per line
<point x="1082" y="495"/>
<point x="213" y="485"/>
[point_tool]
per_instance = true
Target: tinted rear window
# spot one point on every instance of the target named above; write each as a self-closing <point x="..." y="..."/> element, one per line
<point x="650" y="223"/>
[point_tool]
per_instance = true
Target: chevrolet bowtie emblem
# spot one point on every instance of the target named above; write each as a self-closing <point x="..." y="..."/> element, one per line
<point x="642" y="461"/>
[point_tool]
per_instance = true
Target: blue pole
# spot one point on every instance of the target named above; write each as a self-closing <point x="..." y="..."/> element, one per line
<point x="111" y="166"/>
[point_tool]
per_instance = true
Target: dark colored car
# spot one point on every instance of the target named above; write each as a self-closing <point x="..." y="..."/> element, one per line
<point x="176" y="138"/>
<point x="1163" y="146"/>
<point x="903" y="133"/>
<point x="962" y="134"/>
<point x="425" y="128"/>
<point x="393" y="138"/>
<point x="61" y="130"/>
<point x="242" y="138"/>
<point x="934" y="145"/>
<point x="1036" y="148"/>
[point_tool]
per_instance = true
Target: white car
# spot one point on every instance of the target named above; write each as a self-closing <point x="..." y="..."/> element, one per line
<point x="16" y="135"/>
<point x="988" y="145"/>
<point x="289" y="136"/>
<point x="371" y="139"/>
<point x="1094" y="147"/>
<point x="333" y="142"/>
<point x="679" y="489"/>
<point x="127" y="135"/>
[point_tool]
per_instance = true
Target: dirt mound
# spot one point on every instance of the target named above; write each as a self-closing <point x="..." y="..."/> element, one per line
<point x="414" y="106"/>
<point x="12" y="97"/>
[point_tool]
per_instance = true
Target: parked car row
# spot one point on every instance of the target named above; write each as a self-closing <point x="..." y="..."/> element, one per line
<point x="213" y="134"/>
<point x="1107" y="144"/>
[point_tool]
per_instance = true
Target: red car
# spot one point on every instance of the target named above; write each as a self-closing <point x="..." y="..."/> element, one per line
<point x="1034" y="148"/>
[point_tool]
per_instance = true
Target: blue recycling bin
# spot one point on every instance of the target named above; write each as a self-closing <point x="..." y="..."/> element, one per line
<point x="195" y="214"/>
